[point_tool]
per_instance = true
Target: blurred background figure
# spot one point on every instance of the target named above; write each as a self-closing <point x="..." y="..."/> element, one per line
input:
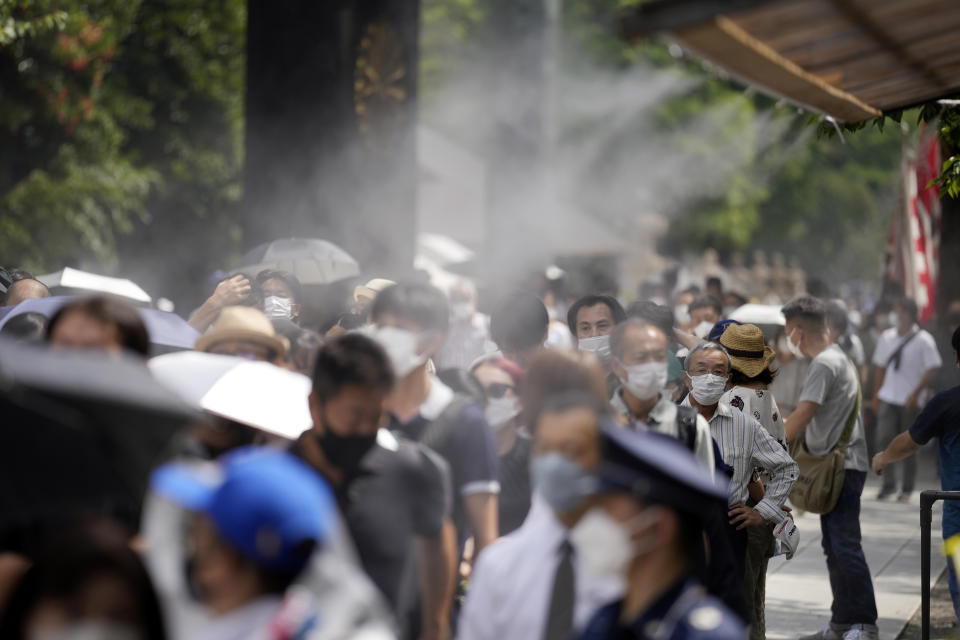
<point x="500" y="380"/>
<point x="25" y="289"/>
<point x="99" y="323"/>
<point x="88" y="583"/>
<point x="469" y="332"/>
<point x="279" y="293"/>
<point x="908" y="362"/>
<point x="364" y="295"/>
<point x="244" y="332"/>
<point x="705" y="312"/>
<point x="30" y="327"/>
<point x="229" y="292"/>
<point x="519" y="328"/>
<point x="260" y="515"/>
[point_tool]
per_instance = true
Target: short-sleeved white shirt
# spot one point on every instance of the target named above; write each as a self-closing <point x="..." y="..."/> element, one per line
<point x="919" y="356"/>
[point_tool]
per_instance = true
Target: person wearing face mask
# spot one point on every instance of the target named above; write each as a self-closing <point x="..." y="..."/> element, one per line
<point x="280" y="294"/>
<point x="939" y="419"/>
<point x="531" y="583"/>
<point x="907" y="361"/>
<point x="640" y="355"/>
<point x="259" y="519"/>
<point x="825" y="416"/>
<point x="410" y="322"/>
<point x="750" y="393"/>
<point x="705" y="312"/>
<point x="744" y="445"/>
<point x="645" y="524"/>
<point x="469" y="330"/>
<point x="500" y="379"/>
<point x="394" y="494"/>
<point x="592" y="319"/>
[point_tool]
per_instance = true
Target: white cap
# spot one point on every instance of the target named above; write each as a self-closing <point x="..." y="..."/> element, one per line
<point x="788" y="537"/>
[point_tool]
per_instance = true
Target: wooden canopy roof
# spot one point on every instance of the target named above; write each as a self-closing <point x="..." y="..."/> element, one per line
<point x="850" y="59"/>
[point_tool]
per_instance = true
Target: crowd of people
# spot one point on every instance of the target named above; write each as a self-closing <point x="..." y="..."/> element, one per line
<point x="556" y="469"/>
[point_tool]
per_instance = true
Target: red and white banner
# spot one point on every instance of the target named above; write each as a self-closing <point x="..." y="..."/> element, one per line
<point x="913" y="247"/>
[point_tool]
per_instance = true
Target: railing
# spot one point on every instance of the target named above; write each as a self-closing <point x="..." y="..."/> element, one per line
<point x="927" y="498"/>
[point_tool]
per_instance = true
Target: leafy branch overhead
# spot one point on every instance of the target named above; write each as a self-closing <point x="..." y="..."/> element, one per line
<point x="944" y="115"/>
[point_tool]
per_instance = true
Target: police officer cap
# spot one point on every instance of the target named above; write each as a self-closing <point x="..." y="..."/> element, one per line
<point x="657" y="468"/>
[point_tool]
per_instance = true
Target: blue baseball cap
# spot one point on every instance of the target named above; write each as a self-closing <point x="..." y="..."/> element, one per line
<point x="656" y="467"/>
<point x="719" y="328"/>
<point x="266" y="503"/>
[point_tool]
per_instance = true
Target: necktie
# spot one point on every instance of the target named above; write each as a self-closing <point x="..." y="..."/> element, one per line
<point x="560" y="615"/>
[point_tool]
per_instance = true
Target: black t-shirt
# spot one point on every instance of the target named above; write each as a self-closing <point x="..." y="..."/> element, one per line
<point x="515" y="488"/>
<point x="402" y="492"/>
<point x="465" y="442"/>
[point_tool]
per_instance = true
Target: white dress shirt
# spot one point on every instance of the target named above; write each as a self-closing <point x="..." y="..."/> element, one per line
<point x="509" y="594"/>
<point x="745" y="445"/>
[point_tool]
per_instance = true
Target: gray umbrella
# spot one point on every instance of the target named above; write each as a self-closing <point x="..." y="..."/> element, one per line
<point x="311" y="260"/>
<point x="92" y="425"/>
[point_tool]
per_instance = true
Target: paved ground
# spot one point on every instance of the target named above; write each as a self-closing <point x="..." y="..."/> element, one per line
<point x="943" y="622"/>
<point x="798" y="592"/>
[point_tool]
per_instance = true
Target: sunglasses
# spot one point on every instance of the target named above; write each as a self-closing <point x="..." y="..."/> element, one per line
<point x="499" y="390"/>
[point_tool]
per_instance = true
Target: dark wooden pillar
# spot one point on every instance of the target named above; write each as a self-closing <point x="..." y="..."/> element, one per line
<point x="330" y="117"/>
<point x="948" y="288"/>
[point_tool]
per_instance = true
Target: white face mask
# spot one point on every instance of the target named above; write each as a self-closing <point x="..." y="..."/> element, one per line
<point x="401" y="346"/>
<point x="794" y="348"/>
<point x="681" y="315"/>
<point x="277" y="307"/>
<point x="702" y="330"/>
<point x="500" y="410"/>
<point x="462" y="310"/>
<point x="598" y="345"/>
<point x="645" y="381"/>
<point x="606" y="544"/>
<point x="893" y="320"/>
<point x="707" y="388"/>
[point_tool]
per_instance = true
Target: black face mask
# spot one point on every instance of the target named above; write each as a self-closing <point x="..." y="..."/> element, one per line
<point x="344" y="452"/>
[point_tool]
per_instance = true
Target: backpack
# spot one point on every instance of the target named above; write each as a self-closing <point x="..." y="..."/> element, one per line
<point x="687" y="426"/>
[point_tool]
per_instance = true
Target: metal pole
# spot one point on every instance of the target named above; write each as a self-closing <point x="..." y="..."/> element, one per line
<point x="927" y="499"/>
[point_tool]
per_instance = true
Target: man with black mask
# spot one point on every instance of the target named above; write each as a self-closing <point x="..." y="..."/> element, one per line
<point x="394" y="493"/>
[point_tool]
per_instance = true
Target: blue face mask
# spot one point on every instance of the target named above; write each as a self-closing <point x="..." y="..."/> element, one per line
<point x="561" y="481"/>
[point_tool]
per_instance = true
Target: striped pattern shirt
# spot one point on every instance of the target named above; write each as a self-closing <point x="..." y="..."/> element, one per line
<point x="746" y="445"/>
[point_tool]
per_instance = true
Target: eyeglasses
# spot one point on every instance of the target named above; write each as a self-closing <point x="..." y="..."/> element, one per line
<point x="499" y="389"/>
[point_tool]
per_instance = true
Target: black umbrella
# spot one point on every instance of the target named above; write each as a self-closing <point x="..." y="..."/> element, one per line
<point x="312" y="260"/>
<point x="79" y="431"/>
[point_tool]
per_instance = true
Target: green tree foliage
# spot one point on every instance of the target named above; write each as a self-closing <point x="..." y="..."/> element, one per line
<point x="121" y="129"/>
<point x="68" y="185"/>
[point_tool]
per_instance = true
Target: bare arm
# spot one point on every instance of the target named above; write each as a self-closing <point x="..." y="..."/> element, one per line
<point x="229" y="292"/>
<point x="436" y="561"/>
<point x="877" y="383"/>
<point x="686" y="339"/>
<point x="482" y="515"/>
<point x="901" y="447"/>
<point x="796" y="422"/>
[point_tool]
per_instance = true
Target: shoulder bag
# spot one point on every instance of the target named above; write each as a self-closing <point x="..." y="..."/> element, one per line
<point x="820" y="478"/>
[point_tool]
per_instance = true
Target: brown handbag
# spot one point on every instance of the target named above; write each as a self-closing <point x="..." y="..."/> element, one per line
<point x="820" y="478"/>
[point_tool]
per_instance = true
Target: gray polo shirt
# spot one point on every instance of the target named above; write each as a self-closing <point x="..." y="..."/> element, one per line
<point x="832" y="383"/>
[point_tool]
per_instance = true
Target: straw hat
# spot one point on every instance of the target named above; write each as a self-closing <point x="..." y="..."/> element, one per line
<point x="371" y="288"/>
<point x="243" y="323"/>
<point x="748" y="354"/>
